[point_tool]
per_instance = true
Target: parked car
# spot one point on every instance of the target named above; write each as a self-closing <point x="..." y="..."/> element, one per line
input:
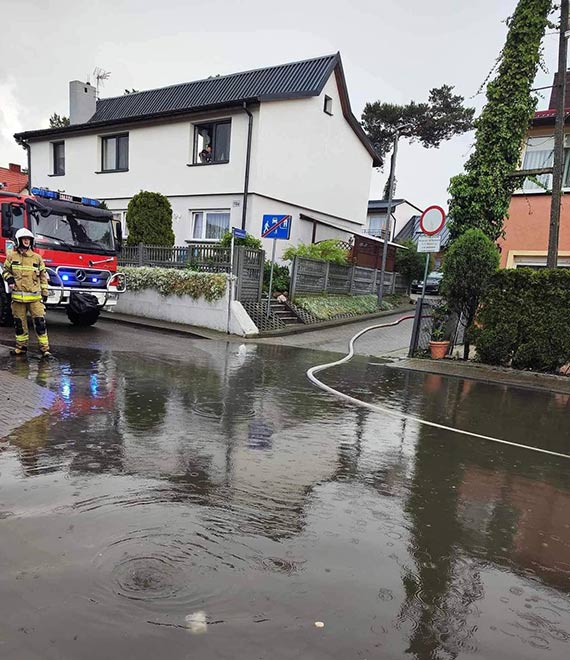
<point x="433" y="284"/>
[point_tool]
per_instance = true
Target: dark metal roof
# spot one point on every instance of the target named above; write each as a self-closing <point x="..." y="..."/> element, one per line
<point x="382" y="204"/>
<point x="285" y="81"/>
<point x="293" y="80"/>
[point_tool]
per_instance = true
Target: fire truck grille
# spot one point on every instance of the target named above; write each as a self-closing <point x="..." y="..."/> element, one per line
<point x="81" y="278"/>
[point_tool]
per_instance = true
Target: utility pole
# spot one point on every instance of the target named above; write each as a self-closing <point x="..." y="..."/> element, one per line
<point x="558" y="165"/>
<point x="388" y="214"/>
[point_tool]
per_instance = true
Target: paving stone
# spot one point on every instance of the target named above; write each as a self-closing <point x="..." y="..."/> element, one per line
<point x="20" y="401"/>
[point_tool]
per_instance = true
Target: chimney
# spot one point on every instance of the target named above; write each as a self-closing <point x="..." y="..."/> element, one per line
<point x="14" y="168"/>
<point x="82" y="101"/>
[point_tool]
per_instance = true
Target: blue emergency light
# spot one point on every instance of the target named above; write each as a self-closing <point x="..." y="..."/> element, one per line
<point x="64" y="197"/>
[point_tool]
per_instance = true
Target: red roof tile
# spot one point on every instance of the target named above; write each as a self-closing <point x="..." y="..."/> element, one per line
<point x="12" y="179"/>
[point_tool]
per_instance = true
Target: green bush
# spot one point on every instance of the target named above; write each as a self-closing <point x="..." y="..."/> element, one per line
<point x="327" y="307"/>
<point x="149" y="220"/>
<point x="179" y="282"/>
<point x="281" y="277"/>
<point x="324" y="251"/>
<point x="469" y="265"/>
<point x="524" y="320"/>
<point x="249" y="241"/>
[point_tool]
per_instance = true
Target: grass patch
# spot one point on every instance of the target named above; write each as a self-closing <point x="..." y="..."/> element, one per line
<point x="330" y="307"/>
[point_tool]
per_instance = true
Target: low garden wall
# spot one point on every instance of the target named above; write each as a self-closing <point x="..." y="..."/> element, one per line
<point x="199" y="299"/>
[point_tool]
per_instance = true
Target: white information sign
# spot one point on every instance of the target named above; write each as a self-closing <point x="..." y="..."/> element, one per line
<point x="429" y="244"/>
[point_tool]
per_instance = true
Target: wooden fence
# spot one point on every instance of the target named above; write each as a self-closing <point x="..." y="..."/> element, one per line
<point x="206" y="258"/>
<point x="312" y="276"/>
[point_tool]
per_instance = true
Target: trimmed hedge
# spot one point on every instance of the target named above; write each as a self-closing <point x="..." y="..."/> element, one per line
<point x="149" y="220"/>
<point x="178" y="282"/>
<point x="524" y="320"/>
<point x="327" y="307"/>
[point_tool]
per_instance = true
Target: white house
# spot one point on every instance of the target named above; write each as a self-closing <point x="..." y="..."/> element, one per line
<point x="225" y="151"/>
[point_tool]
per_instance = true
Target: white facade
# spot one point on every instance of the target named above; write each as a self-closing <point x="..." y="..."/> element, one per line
<point x="304" y="161"/>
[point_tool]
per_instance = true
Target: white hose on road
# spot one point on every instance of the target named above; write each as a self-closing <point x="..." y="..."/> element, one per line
<point x="401" y="415"/>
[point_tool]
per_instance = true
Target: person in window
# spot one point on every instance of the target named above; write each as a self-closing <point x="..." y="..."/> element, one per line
<point x="206" y="154"/>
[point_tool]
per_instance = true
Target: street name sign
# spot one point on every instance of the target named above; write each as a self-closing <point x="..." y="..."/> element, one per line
<point x="429" y="243"/>
<point x="239" y="233"/>
<point x="276" y="226"/>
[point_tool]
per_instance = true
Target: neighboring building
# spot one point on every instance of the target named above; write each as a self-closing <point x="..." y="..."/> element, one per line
<point x="411" y="231"/>
<point x="12" y="179"/>
<point x="402" y="211"/>
<point x="225" y="151"/>
<point x="527" y="227"/>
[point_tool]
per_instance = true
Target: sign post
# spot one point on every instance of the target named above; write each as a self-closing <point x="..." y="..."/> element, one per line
<point x="277" y="227"/>
<point x="236" y="233"/>
<point x="432" y="222"/>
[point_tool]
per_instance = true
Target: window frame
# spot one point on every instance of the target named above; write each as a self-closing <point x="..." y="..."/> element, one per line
<point x="328" y="105"/>
<point x="204" y="212"/>
<point x="54" y="145"/>
<point x="213" y="124"/>
<point x="120" y="217"/>
<point x="115" y="136"/>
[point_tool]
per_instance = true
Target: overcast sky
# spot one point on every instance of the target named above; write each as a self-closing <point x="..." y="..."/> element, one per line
<point x="391" y="50"/>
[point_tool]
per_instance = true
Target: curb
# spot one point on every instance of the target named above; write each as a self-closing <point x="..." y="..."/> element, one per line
<point x="487" y="374"/>
<point x="204" y="333"/>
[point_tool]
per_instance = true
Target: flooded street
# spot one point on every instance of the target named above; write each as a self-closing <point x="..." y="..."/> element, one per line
<point x="199" y="499"/>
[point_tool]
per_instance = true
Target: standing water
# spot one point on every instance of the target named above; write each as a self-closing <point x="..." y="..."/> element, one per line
<point x="217" y="505"/>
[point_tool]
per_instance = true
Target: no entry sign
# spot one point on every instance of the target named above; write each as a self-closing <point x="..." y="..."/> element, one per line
<point x="432" y="220"/>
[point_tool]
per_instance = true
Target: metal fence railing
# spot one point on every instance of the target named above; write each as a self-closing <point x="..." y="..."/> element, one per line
<point x="200" y="256"/>
<point x="206" y="258"/>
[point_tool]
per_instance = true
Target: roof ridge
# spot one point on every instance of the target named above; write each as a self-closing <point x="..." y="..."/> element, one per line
<point x="225" y="75"/>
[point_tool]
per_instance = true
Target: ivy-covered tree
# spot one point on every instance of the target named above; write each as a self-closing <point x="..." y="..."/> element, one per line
<point x="149" y="220"/>
<point x="480" y="196"/>
<point x="469" y="265"/>
<point x="58" y="121"/>
<point x="430" y="123"/>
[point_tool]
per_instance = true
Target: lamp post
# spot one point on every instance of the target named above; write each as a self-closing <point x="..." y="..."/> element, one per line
<point x="389" y="210"/>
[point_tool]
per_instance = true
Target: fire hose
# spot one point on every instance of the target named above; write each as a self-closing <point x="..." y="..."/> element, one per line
<point x="399" y="414"/>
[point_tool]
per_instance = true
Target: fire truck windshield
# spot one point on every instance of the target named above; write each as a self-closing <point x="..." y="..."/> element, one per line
<point x="74" y="234"/>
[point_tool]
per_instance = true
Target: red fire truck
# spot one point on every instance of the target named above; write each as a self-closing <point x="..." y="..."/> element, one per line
<point x="78" y="242"/>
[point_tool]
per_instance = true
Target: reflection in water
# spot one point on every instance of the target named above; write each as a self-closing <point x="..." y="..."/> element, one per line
<point x="223" y="483"/>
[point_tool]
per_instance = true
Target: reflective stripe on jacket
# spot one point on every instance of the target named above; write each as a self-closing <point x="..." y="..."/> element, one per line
<point x="29" y="274"/>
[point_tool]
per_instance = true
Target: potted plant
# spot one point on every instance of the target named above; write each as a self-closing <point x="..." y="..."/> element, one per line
<point x="439" y="341"/>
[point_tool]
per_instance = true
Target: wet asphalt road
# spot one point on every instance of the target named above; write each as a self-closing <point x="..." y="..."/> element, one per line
<point x="197" y="499"/>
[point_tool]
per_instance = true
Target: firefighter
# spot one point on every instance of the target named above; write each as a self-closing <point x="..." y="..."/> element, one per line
<point x="25" y="274"/>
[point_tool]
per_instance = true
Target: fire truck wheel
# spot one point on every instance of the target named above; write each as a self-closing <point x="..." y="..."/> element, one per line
<point x="5" y="309"/>
<point x="89" y="318"/>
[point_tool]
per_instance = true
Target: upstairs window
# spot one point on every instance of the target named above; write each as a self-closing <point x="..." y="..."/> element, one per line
<point x="212" y="142"/>
<point x="210" y="225"/>
<point x="377" y="225"/>
<point x="58" y="155"/>
<point x="540" y="153"/>
<point x="115" y="153"/>
<point x="328" y="105"/>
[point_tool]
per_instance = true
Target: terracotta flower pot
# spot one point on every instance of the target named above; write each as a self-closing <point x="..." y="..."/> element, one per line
<point x="438" y="349"/>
